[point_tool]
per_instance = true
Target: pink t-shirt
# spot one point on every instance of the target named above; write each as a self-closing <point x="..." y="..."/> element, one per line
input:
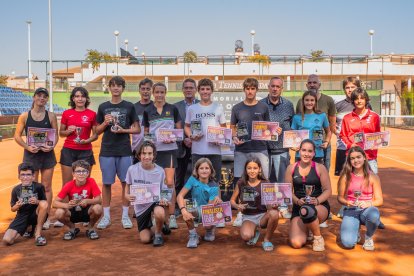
<point x="84" y="119"/>
<point x="357" y="183"/>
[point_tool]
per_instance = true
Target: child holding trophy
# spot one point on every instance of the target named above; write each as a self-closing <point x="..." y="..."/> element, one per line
<point x="359" y="190"/>
<point x="84" y="202"/>
<point x="254" y="214"/>
<point x="311" y="190"/>
<point x="147" y="191"/>
<point x="28" y="199"/>
<point x="204" y="190"/>
<point x="76" y="126"/>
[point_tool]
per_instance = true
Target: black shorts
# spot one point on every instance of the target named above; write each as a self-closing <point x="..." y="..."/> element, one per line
<point x="79" y="216"/>
<point x="68" y="156"/>
<point x="144" y="221"/>
<point x="40" y="160"/>
<point x="340" y="161"/>
<point x="296" y="209"/>
<point x="22" y="221"/>
<point x="167" y="159"/>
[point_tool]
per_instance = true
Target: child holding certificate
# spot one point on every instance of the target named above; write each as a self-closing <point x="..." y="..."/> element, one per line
<point x="255" y="215"/>
<point x="204" y="190"/>
<point x="147" y="173"/>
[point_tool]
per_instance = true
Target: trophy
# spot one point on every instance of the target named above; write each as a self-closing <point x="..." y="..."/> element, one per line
<point x="115" y="120"/>
<point x="196" y="128"/>
<point x="242" y="131"/>
<point x="227" y="178"/>
<point x="357" y="194"/>
<point x="78" y="131"/>
<point x="308" y="193"/>
<point x="78" y="199"/>
<point x="192" y="207"/>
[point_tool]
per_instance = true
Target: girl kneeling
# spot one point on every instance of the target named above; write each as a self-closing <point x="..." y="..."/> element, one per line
<point x="359" y="190"/>
<point x="255" y="215"/>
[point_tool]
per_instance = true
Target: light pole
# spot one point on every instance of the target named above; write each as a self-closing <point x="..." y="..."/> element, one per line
<point x="371" y="34"/>
<point x="135" y="51"/>
<point x="145" y="64"/>
<point x="116" y="33"/>
<point x="50" y="60"/>
<point x="126" y="45"/>
<point x="29" y="56"/>
<point x="252" y="32"/>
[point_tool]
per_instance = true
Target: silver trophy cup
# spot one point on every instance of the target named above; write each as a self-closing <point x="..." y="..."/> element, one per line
<point x="308" y="193"/>
<point x="115" y="121"/>
<point x="78" y="131"/>
<point x="357" y="194"/>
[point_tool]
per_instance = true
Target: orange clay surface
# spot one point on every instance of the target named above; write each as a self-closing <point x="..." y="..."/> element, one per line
<point x="119" y="251"/>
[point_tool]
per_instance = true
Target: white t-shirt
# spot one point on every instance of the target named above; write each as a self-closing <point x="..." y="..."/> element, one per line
<point x="209" y="115"/>
<point x="138" y="175"/>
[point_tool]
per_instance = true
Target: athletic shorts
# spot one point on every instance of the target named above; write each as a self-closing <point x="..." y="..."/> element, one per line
<point x="144" y="221"/>
<point x="40" y="160"/>
<point x="79" y="216"/>
<point x="114" y="166"/>
<point x="296" y="209"/>
<point x="167" y="159"/>
<point x="68" y="156"/>
<point x="254" y="218"/>
<point x="22" y="221"/>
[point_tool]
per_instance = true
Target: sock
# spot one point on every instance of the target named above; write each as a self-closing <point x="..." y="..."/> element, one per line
<point x="193" y="231"/>
<point x="107" y="212"/>
<point x="172" y="216"/>
<point x="125" y="211"/>
<point x="317" y="237"/>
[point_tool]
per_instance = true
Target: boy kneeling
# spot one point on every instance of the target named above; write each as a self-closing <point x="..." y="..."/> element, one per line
<point x="28" y="199"/>
<point x="84" y="202"/>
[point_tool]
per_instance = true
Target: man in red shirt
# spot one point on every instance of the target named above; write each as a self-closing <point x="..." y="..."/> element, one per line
<point x="84" y="202"/>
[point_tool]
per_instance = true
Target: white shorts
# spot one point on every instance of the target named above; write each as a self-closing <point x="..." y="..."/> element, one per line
<point x="254" y="218"/>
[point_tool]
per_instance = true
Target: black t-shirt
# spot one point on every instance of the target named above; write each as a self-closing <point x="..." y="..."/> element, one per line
<point x="242" y="113"/>
<point x="117" y="144"/>
<point x="139" y="109"/>
<point x="252" y="196"/>
<point x="25" y="192"/>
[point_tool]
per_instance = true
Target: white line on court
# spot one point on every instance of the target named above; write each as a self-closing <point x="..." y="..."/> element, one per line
<point x="396" y="160"/>
<point x="397" y="148"/>
<point x="8" y="187"/>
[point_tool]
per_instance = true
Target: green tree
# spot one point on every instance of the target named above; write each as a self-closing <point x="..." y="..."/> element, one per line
<point x="93" y="57"/>
<point x="316" y="55"/>
<point x="190" y="57"/>
<point x="3" y="80"/>
<point x="262" y="59"/>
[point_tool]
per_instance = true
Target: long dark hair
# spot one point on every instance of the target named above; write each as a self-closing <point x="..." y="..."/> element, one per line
<point x="260" y="176"/>
<point x="348" y="169"/>
<point x="315" y="108"/>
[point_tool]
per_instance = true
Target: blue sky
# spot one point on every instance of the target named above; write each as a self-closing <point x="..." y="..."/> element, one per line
<point x="166" y="27"/>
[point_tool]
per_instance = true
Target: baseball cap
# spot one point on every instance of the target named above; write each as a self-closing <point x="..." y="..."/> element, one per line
<point x="41" y="90"/>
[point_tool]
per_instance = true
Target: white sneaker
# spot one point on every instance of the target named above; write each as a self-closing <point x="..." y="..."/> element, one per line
<point x="193" y="241"/>
<point x="126" y="222"/>
<point x="104" y="223"/>
<point x="58" y="224"/>
<point x="284" y="212"/>
<point x="368" y="244"/>
<point x="323" y="225"/>
<point x="318" y="244"/>
<point x="173" y="222"/>
<point x="239" y="220"/>
<point x="209" y="236"/>
<point x="46" y="225"/>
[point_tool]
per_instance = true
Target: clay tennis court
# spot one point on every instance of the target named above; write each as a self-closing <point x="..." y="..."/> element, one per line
<point x="120" y="251"/>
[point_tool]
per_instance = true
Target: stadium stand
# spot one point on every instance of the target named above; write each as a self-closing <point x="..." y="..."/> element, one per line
<point x="14" y="102"/>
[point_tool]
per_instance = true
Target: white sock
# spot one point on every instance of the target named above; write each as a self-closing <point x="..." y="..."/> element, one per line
<point x="317" y="237"/>
<point x="107" y="212"/>
<point x="125" y="211"/>
<point x="193" y="231"/>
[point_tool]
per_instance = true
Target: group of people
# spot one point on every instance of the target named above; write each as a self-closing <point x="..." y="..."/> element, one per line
<point x="151" y="161"/>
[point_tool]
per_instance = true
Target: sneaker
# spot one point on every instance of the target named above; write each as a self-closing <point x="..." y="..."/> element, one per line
<point x="126" y="222"/>
<point x="330" y="215"/>
<point x="173" y="222"/>
<point x="368" y="244"/>
<point x="158" y="241"/>
<point x="196" y="223"/>
<point x="310" y="236"/>
<point x="58" y="224"/>
<point x="323" y="225"/>
<point x="209" y="236"/>
<point x="104" y="223"/>
<point x="166" y="230"/>
<point x="221" y="225"/>
<point x="85" y="224"/>
<point x="284" y="212"/>
<point x="46" y="225"/>
<point x="341" y="212"/>
<point x="193" y="240"/>
<point x="318" y="244"/>
<point x="239" y="220"/>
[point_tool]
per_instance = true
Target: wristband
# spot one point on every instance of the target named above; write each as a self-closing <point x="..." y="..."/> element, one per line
<point x="317" y="200"/>
<point x="182" y="208"/>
